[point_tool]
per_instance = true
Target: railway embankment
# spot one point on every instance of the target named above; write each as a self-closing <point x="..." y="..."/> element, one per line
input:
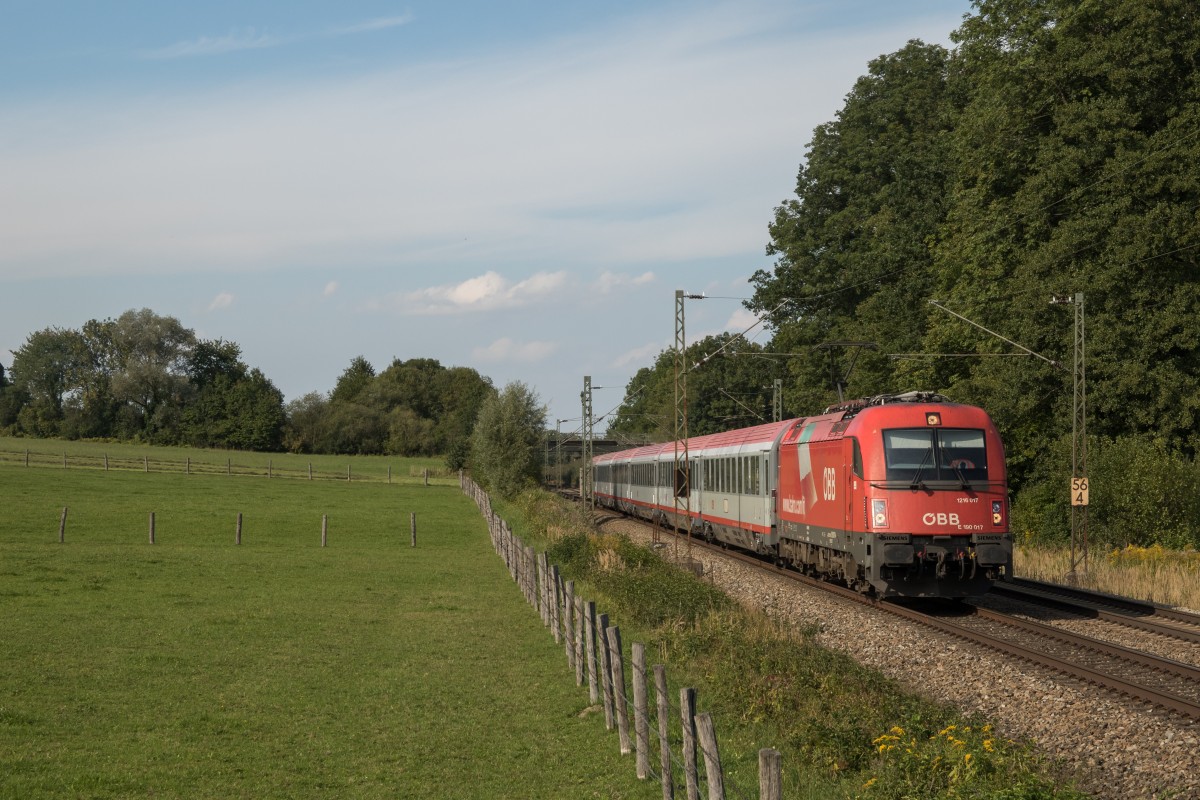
<point x="1112" y="747"/>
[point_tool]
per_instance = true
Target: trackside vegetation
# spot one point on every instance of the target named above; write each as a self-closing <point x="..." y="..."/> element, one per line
<point x="844" y="730"/>
<point x="278" y="668"/>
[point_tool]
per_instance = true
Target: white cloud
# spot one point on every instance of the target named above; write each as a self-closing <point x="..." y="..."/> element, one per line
<point x="487" y="292"/>
<point x="740" y="320"/>
<point x="664" y="133"/>
<point x="221" y="302"/>
<point x="248" y="39"/>
<point x="330" y="289"/>
<point x="642" y="356"/>
<point x="378" y="24"/>
<point x="612" y="281"/>
<point x="506" y="349"/>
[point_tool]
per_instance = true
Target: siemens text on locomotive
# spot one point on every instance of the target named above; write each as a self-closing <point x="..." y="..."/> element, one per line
<point x="899" y="495"/>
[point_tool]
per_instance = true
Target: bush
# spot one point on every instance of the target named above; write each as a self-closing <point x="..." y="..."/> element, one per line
<point x="1141" y="493"/>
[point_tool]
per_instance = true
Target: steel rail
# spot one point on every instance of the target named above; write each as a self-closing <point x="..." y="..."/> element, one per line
<point x="1089" y="609"/>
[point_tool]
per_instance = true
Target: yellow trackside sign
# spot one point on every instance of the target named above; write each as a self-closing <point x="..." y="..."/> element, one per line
<point x="1079" y="491"/>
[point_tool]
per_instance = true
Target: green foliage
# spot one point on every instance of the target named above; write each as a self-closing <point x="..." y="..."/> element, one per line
<point x="414" y="407"/>
<point x="142" y="377"/>
<point x="959" y="761"/>
<point x="1141" y="493"/>
<point x="731" y="387"/>
<point x="506" y="447"/>
<point x="353" y="381"/>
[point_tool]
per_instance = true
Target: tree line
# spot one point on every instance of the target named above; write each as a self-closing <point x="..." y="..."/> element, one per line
<point x="1053" y="150"/>
<point x="147" y="378"/>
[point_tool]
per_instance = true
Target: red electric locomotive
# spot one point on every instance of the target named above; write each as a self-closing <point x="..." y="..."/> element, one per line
<point x="899" y="495"/>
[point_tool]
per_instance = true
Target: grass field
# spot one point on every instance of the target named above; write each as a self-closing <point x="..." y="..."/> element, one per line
<point x="54" y="453"/>
<point x="278" y="668"/>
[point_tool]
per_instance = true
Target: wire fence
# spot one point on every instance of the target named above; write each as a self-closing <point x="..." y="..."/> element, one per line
<point x="594" y="652"/>
<point x="288" y="468"/>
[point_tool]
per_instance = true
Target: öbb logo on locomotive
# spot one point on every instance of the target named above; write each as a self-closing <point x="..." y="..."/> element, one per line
<point x="924" y="512"/>
<point x="830" y="488"/>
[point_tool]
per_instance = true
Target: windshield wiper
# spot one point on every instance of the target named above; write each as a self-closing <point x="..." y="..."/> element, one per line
<point x="964" y="484"/>
<point x="916" y="481"/>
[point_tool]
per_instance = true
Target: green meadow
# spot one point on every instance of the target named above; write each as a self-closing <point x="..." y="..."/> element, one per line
<point x="195" y="667"/>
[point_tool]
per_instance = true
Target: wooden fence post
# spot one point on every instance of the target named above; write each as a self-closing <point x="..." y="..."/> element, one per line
<point x="531" y="577"/>
<point x="427" y="476"/>
<point x="544" y="588"/>
<point x="64" y="460"/>
<point x="238" y="539"/>
<point x="579" y="668"/>
<point x="27" y="458"/>
<point x="146" y="463"/>
<point x="151" y="527"/>
<point x="707" y="734"/>
<point x="62" y="527"/>
<point x="568" y="612"/>
<point x="188" y="466"/>
<point x="347" y="473"/>
<point x="228" y="467"/>
<point x="664" y="731"/>
<point x="412" y="527"/>
<point x="324" y="528"/>
<point x="770" y="774"/>
<point x="687" y="711"/>
<point x="270" y="468"/>
<point x="589" y="646"/>
<point x="554" y="609"/>
<point x="106" y="462"/>
<point x="619" y="696"/>
<point x="310" y="470"/>
<point x="641" y="714"/>
<point x="604" y="665"/>
<point x="389" y="473"/>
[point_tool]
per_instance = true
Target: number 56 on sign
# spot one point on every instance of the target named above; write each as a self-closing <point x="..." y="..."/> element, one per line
<point x="1079" y="491"/>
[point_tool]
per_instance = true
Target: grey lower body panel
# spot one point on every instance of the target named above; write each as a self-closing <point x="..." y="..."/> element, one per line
<point x="899" y="565"/>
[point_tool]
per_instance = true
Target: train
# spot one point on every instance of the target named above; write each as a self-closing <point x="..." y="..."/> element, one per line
<point x="896" y="496"/>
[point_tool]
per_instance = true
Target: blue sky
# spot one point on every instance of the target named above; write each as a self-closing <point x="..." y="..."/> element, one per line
<point x="516" y="187"/>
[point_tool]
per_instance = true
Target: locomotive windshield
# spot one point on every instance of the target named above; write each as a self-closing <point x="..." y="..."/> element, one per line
<point x="919" y="455"/>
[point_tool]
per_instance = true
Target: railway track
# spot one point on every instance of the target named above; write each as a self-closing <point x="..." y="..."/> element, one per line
<point x="1145" y="617"/>
<point x="1164" y="683"/>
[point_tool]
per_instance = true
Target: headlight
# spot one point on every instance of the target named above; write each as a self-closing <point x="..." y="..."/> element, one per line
<point x="879" y="513"/>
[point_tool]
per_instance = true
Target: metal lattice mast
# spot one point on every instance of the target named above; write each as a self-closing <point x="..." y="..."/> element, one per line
<point x="558" y="453"/>
<point x="1079" y="511"/>
<point x="681" y="480"/>
<point x="586" y="488"/>
<point x="777" y="401"/>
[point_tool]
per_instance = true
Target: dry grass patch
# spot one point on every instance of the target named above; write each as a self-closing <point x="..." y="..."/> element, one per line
<point x="1153" y="573"/>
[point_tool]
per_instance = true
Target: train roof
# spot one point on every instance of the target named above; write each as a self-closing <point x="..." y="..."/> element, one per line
<point x="739" y="437"/>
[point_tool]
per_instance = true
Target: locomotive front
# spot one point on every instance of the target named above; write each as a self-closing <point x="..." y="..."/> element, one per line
<point x="933" y="492"/>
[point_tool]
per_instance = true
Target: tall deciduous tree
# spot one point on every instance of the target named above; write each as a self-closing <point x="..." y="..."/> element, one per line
<point x="853" y="246"/>
<point x="354" y="380"/>
<point x="506" y="447"/>
<point x="151" y="363"/>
